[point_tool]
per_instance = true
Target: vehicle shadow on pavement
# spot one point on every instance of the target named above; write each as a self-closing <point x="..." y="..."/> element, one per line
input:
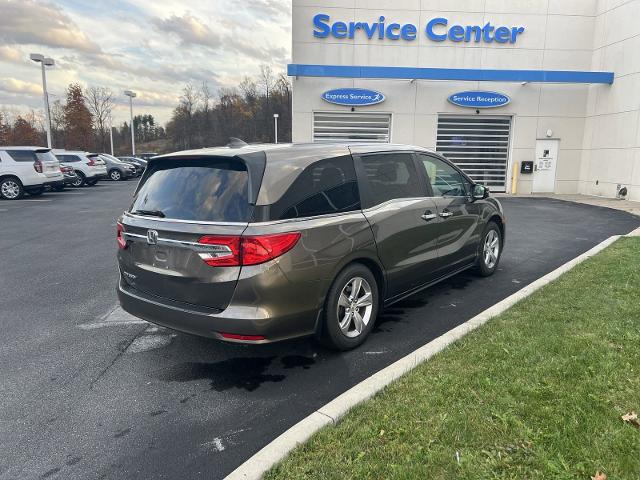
<point x="247" y="367"/>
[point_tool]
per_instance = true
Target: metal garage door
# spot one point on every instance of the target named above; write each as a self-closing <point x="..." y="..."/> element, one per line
<point x="351" y="127"/>
<point x="478" y="145"/>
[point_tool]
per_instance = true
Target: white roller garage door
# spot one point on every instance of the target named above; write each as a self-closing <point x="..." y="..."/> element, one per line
<point x="479" y="145"/>
<point x="351" y="127"/>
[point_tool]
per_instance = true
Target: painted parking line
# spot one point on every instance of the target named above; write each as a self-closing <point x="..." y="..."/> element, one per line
<point x="151" y="338"/>
<point x="65" y="193"/>
<point x="30" y="200"/>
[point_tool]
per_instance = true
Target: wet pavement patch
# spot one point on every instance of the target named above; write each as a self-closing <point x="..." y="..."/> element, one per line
<point x="294" y="361"/>
<point x="246" y="373"/>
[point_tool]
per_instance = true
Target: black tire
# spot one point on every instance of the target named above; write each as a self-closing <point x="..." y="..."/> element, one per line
<point x="11" y="188"/>
<point x="35" y="192"/>
<point x="58" y="188"/>
<point x="115" y="175"/>
<point x="330" y="334"/>
<point x="80" y="181"/>
<point x="487" y="265"/>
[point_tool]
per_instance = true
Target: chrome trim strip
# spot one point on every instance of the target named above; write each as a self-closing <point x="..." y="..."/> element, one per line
<point x="175" y="220"/>
<point x="355" y="214"/>
<point x="172" y="243"/>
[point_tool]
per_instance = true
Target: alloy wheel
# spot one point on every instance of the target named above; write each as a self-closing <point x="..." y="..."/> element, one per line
<point x="10" y="189"/>
<point x="491" y="249"/>
<point x="115" y="175"/>
<point x="78" y="181"/>
<point x="355" y="306"/>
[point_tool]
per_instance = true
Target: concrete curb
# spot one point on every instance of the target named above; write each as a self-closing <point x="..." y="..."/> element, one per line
<point x="277" y="450"/>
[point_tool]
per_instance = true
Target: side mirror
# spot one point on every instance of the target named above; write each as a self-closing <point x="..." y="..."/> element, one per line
<point x="480" y="192"/>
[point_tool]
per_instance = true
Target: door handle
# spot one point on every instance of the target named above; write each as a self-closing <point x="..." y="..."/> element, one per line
<point x="429" y="216"/>
<point x="446" y="214"/>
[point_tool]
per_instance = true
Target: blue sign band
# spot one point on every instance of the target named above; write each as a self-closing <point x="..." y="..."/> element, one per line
<point x="353" y="97"/>
<point x="479" y="99"/>
<point x="409" y="73"/>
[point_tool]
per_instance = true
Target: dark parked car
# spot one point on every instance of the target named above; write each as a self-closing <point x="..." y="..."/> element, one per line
<point x="263" y="243"/>
<point x="116" y="169"/>
<point x="140" y="164"/>
<point x="146" y="156"/>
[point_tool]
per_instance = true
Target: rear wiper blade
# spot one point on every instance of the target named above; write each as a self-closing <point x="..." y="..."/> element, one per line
<point x="149" y="213"/>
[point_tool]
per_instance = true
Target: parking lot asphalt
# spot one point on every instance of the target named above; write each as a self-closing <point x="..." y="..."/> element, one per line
<point x="89" y="392"/>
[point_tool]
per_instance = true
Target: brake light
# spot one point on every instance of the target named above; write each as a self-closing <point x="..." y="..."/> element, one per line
<point x="246" y="338"/>
<point x="92" y="161"/>
<point x="122" y="243"/>
<point x="223" y="251"/>
<point x="260" y="249"/>
<point x="37" y="165"/>
<point x="234" y="251"/>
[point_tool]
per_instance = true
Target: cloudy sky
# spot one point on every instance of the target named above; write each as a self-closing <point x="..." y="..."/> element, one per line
<point x="151" y="46"/>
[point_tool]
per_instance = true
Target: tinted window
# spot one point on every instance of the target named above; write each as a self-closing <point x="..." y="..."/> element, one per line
<point x="22" y="155"/>
<point x="390" y="176"/>
<point x="68" y="158"/>
<point x="327" y="186"/>
<point x="202" y="190"/>
<point x="31" y="156"/>
<point x="445" y="180"/>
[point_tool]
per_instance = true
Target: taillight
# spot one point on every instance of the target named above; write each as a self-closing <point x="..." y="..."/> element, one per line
<point x="260" y="249"/>
<point x="221" y="251"/>
<point x="37" y="165"/>
<point x="251" y="250"/>
<point x="122" y="243"/>
<point x="91" y="162"/>
<point x="245" y="338"/>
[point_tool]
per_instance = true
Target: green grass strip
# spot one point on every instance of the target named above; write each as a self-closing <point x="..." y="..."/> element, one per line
<point x="537" y="393"/>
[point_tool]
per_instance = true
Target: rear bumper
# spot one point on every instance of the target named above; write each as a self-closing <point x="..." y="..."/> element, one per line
<point x="210" y="323"/>
<point x="55" y="183"/>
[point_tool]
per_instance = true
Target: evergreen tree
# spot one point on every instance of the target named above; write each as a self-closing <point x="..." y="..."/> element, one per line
<point x="77" y="120"/>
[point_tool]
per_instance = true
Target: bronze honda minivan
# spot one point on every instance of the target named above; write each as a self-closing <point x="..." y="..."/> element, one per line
<point x="260" y="243"/>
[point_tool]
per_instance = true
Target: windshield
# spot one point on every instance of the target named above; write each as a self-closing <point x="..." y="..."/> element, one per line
<point x="208" y="190"/>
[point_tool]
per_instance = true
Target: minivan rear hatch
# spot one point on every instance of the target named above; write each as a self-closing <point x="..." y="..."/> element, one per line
<point x="186" y="210"/>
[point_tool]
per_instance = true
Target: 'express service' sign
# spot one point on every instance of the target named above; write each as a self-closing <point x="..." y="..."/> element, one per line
<point x="353" y="97"/>
<point x="479" y="99"/>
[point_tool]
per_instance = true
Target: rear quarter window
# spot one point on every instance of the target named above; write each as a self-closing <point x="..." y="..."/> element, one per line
<point x="206" y="190"/>
<point x="325" y="187"/>
<point x="22" y="155"/>
<point x="390" y="176"/>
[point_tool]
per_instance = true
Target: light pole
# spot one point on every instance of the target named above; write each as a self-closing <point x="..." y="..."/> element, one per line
<point x="131" y="96"/>
<point x="111" y="132"/>
<point x="275" y="119"/>
<point x="45" y="62"/>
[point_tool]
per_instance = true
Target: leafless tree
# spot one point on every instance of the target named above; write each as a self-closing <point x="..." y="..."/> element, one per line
<point x="266" y="80"/>
<point x="99" y="101"/>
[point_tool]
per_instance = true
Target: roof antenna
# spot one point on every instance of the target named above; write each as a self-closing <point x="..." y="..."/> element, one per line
<point x="236" y="143"/>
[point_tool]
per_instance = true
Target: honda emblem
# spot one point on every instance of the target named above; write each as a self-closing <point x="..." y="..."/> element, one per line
<point x="152" y="237"/>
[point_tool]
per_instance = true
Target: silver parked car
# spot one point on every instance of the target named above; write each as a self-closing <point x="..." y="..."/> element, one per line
<point x="267" y="242"/>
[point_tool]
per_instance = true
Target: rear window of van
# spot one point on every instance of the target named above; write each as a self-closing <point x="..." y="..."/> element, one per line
<point x="206" y="190"/>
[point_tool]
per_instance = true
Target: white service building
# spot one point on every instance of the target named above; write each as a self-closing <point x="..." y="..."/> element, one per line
<point x="495" y="85"/>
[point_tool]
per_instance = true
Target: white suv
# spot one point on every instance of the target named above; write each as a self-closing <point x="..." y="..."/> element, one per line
<point x="89" y="167"/>
<point x="27" y="169"/>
